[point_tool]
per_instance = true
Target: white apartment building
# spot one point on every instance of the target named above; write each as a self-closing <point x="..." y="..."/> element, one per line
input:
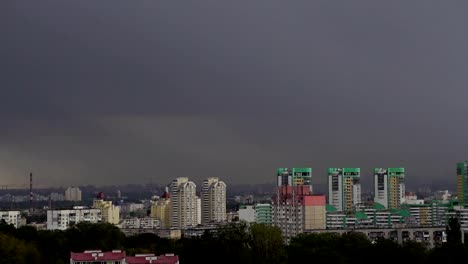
<point x="131" y="207"/>
<point x="213" y="197"/>
<point x="11" y="218"/>
<point x="141" y="223"/>
<point x="389" y="187"/>
<point x="184" y="203"/>
<point x="63" y="219"/>
<point x="73" y="194"/>
<point x="344" y="188"/>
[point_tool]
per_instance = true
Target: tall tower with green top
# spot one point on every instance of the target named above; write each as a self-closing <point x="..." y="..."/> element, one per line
<point x="389" y="187"/>
<point x="294" y="176"/>
<point x="462" y="180"/>
<point x="344" y="188"/>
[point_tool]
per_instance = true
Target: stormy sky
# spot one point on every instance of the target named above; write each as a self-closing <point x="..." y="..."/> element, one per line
<point x="114" y="92"/>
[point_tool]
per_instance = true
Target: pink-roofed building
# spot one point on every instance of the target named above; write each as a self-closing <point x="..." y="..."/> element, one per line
<point x="152" y="259"/>
<point x="97" y="256"/>
<point x="119" y="257"/>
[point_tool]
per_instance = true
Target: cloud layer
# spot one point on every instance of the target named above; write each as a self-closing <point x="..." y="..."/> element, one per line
<point x="122" y="91"/>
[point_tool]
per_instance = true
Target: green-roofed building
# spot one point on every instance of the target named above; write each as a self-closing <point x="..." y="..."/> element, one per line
<point x="389" y="187"/>
<point x="294" y="176"/>
<point x="344" y="188"/>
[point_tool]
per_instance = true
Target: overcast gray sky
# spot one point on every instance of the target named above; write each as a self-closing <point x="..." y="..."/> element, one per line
<point x="109" y="91"/>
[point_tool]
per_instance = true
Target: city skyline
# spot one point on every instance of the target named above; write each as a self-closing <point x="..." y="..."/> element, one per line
<point x="319" y="178"/>
<point x="98" y="95"/>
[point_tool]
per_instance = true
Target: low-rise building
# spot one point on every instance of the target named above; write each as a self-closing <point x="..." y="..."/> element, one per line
<point x="97" y="256"/>
<point x="131" y="207"/>
<point x="64" y="219"/>
<point x="258" y="213"/>
<point x="140" y="223"/>
<point x="153" y="259"/>
<point x="119" y="257"/>
<point x="247" y="213"/>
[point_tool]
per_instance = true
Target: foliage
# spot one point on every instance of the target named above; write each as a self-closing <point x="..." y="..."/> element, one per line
<point x="453" y="230"/>
<point x="233" y="243"/>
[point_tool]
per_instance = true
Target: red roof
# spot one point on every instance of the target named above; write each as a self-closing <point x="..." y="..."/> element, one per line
<point x="144" y="259"/>
<point x="96" y="255"/>
<point x="166" y="195"/>
<point x="314" y="200"/>
<point x="117" y="255"/>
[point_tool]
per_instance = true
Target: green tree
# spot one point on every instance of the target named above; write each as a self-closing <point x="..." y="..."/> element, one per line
<point x="16" y="251"/>
<point x="267" y="244"/>
<point x="102" y="236"/>
<point x="321" y="248"/>
<point x="453" y="230"/>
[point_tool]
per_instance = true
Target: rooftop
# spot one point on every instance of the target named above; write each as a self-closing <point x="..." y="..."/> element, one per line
<point x="151" y="258"/>
<point x="94" y="255"/>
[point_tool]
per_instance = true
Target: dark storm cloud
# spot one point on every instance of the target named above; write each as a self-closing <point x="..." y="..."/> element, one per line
<point x="124" y="91"/>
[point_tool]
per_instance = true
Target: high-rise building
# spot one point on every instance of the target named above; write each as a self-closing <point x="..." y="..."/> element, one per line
<point x="109" y="212"/>
<point x="213" y="201"/>
<point x="295" y="177"/>
<point x="183" y="203"/>
<point x="161" y="210"/>
<point x="73" y="194"/>
<point x="295" y="209"/>
<point x="389" y="187"/>
<point x="199" y="211"/>
<point x="344" y="188"/>
<point x="462" y="180"/>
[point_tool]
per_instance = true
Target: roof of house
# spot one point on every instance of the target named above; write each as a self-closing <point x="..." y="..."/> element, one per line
<point x="144" y="259"/>
<point x="98" y="255"/>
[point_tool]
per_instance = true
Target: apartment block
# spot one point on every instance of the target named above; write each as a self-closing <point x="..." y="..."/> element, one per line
<point x="344" y="188"/>
<point x="64" y="219"/>
<point x="213" y="201"/>
<point x="295" y="209"/>
<point x="73" y="194"/>
<point x="110" y="213"/>
<point x="258" y="213"/>
<point x="184" y="209"/>
<point x="263" y="214"/>
<point x="141" y="223"/>
<point x="389" y="187"/>
<point x="161" y="210"/>
<point x="11" y="218"/>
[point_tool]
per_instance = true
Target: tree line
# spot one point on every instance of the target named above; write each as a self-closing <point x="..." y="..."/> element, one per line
<point x="236" y="243"/>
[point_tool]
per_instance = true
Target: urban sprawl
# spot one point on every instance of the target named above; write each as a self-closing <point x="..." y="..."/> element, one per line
<point x="182" y="210"/>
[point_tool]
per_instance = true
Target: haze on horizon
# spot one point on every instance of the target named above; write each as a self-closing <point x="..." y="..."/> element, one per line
<point x="113" y="91"/>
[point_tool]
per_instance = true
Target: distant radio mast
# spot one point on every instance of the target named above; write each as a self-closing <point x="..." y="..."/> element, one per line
<point x="30" y="193"/>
